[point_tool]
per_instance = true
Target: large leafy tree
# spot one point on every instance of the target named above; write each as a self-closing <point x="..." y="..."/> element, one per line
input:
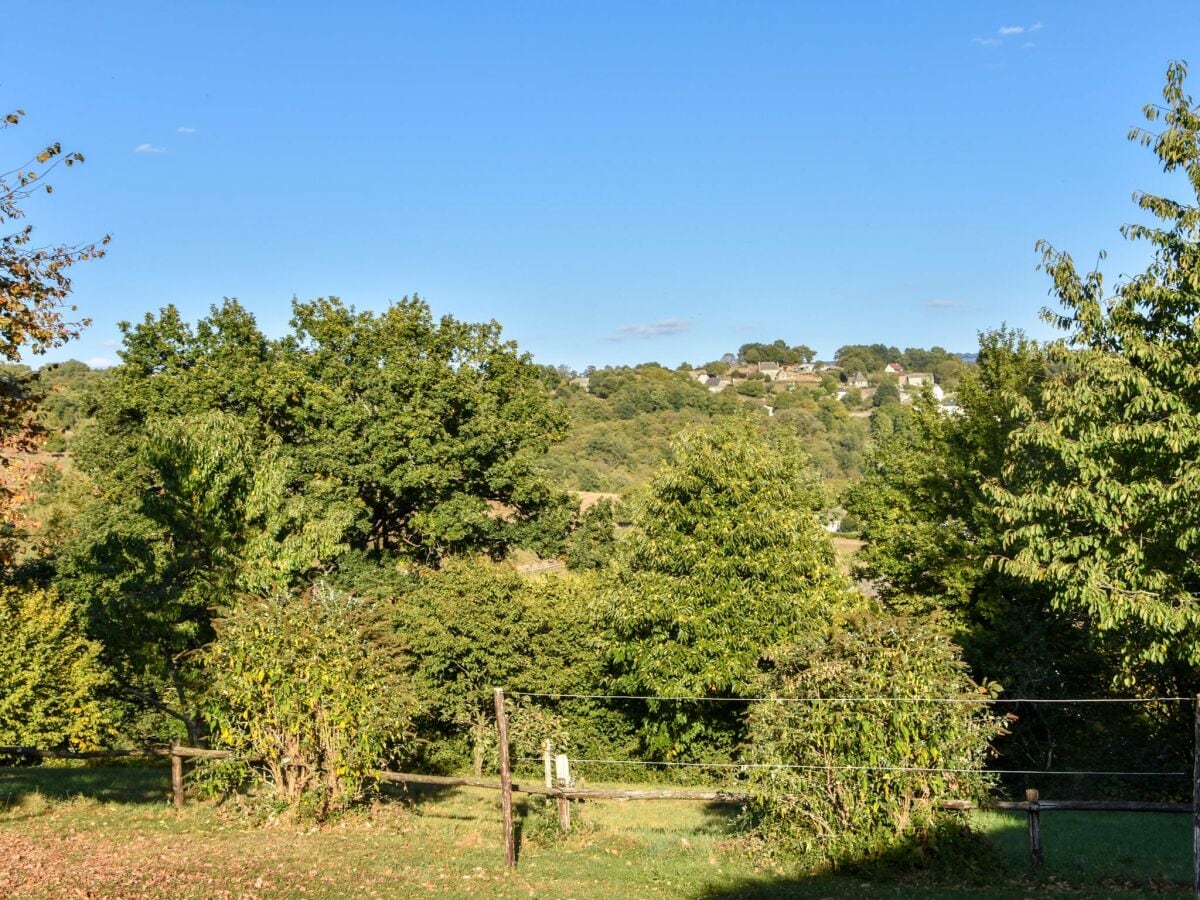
<point x="921" y="504"/>
<point x="218" y="516"/>
<point x="933" y="535"/>
<point x="726" y="560"/>
<point x="436" y="426"/>
<point x="1107" y="511"/>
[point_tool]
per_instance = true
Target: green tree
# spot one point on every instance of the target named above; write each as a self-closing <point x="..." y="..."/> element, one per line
<point x="52" y="683"/>
<point x="219" y="515"/>
<point x="921" y="503"/>
<point x="431" y="424"/>
<point x="888" y="392"/>
<point x="1103" y="501"/>
<point x="725" y="561"/>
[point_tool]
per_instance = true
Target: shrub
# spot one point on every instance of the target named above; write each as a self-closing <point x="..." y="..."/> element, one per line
<point x="313" y="686"/>
<point x="51" y="680"/>
<point x="473" y="626"/>
<point x="827" y="817"/>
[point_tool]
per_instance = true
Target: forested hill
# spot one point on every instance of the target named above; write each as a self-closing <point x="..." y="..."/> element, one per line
<point x="622" y="419"/>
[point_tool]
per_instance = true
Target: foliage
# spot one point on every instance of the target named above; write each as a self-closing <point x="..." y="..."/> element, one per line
<point x="593" y="542"/>
<point x="1102" y="500"/>
<point x="34" y="281"/>
<point x="225" y="462"/>
<point x="725" y="561"/>
<point x="778" y="352"/>
<point x="430" y="424"/>
<point x="920" y="503"/>
<point x="52" y="682"/>
<point x="932" y="537"/>
<point x="218" y="515"/>
<point x="312" y="685"/>
<point x="473" y="626"/>
<point x="34" y="287"/>
<point x="426" y="426"/>
<point x="887" y="392"/>
<point x="615" y="442"/>
<point x="834" y="817"/>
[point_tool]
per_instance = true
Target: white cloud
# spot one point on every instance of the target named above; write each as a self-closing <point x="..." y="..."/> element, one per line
<point x="149" y="148"/>
<point x="100" y="362"/>
<point x="654" y="329"/>
<point x="1007" y="31"/>
<point x="185" y="129"/>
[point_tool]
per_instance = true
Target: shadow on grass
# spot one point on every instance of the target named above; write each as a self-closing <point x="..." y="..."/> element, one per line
<point x="1091" y="854"/>
<point x="974" y="870"/>
<point x="104" y="784"/>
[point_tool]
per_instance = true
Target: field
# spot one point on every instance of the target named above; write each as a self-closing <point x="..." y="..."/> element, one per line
<point x="109" y="832"/>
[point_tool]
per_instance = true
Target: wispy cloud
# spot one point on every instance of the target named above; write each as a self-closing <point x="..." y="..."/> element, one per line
<point x="1007" y="31"/>
<point x="100" y="362"/>
<point x="149" y="148"/>
<point x="943" y="304"/>
<point x="185" y="129"/>
<point x="655" y="329"/>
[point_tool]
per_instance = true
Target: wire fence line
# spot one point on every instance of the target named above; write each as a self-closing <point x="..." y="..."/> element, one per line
<point x="853" y="768"/>
<point x="862" y="768"/>
<point x="970" y="699"/>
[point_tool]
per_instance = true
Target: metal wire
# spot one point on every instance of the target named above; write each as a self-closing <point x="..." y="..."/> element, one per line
<point x="843" y="768"/>
<point x="852" y="699"/>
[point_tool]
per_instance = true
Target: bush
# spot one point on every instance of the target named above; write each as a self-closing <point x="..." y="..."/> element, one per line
<point x="313" y="686"/>
<point x="51" y="680"/>
<point x="826" y="817"/>
<point x="473" y="626"/>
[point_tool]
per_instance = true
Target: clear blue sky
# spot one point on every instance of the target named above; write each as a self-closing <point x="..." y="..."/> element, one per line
<point x="613" y="182"/>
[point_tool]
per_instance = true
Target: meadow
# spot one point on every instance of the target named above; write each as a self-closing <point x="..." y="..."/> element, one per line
<point x="111" y="832"/>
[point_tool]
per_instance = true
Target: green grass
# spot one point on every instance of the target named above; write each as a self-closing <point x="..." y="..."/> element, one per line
<point x="112" y="832"/>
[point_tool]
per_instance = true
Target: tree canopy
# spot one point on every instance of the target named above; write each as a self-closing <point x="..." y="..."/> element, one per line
<point x="1103" y="502"/>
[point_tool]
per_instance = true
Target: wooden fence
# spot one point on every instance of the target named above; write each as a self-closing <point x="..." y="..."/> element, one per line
<point x="1033" y="806"/>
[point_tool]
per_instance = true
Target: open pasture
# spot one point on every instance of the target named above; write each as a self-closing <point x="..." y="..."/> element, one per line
<point x="111" y="832"/>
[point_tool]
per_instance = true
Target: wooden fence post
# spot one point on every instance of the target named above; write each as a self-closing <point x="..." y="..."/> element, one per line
<point x="564" y="805"/>
<point x="1035" y="828"/>
<point x="1196" y="803"/>
<point x="510" y="847"/>
<point x="176" y="775"/>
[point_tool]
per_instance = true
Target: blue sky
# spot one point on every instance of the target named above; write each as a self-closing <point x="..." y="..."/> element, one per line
<point x="613" y="182"/>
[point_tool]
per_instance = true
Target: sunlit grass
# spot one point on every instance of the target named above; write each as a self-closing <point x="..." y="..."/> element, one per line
<point x="112" y="831"/>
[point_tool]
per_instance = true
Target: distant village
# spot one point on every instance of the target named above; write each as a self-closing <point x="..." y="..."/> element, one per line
<point x="855" y="388"/>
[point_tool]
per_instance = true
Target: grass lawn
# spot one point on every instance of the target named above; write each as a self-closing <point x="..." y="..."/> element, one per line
<point x="110" y="832"/>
